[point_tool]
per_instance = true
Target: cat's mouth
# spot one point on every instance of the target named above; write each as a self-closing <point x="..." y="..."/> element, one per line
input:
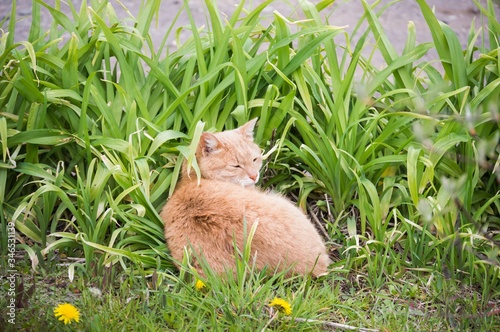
<point x="247" y="183"/>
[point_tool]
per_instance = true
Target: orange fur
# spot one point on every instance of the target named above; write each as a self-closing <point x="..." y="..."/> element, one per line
<point x="210" y="217"/>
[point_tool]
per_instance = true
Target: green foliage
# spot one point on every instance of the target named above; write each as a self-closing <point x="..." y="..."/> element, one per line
<point x="399" y="163"/>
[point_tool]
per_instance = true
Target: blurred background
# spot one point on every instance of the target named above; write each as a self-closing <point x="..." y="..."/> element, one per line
<point x="458" y="14"/>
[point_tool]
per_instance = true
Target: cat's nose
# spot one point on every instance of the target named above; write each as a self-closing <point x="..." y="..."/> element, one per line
<point x="253" y="176"/>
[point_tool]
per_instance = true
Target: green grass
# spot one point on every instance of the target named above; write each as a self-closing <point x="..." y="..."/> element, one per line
<point x="141" y="300"/>
<point x="399" y="163"/>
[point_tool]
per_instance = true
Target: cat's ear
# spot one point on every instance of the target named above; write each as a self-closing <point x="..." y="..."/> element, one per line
<point x="247" y="128"/>
<point x="208" y="143"/>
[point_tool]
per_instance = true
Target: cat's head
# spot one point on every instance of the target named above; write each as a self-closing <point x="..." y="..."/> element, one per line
<point x="230" y="156"/>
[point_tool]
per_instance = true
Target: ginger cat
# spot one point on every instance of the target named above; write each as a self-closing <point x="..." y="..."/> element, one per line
<point x="210" y="217"/>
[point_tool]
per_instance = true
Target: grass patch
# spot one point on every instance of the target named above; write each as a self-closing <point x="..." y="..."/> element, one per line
<point x="157" y="300"/>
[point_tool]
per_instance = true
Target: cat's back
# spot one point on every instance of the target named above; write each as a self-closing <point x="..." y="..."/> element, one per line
<point x="213" y="198"/>
<point x="214" y="209"/>
<point x="213" y="214"/>
<point x="208" y="197"/>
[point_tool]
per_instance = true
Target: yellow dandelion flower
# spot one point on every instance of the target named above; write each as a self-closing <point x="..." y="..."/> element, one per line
<point x="200" y="285"/>
<point x="282" y="305"/>
<point x="67" y="313"/>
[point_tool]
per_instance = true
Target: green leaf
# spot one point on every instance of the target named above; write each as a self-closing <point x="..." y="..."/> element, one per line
<point x="40" y="136"/>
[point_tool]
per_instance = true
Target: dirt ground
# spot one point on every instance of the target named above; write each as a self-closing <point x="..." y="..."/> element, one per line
<point x="459" y="14"/>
